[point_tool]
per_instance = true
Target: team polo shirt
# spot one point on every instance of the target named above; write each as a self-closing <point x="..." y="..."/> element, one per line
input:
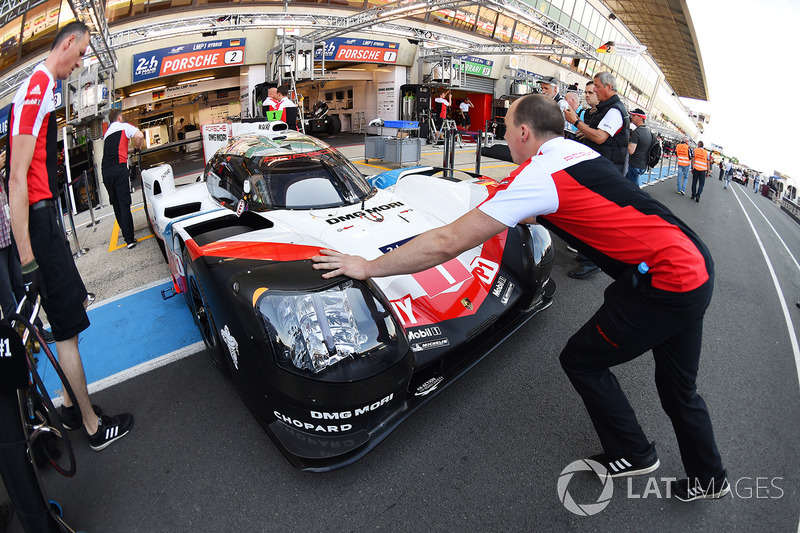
<point x="33" y="113"/>
<point x="115" y="143"/>
<point x="582" y="198"/>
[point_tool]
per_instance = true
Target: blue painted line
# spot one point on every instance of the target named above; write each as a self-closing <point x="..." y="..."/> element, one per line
<point x="127" y="332"/>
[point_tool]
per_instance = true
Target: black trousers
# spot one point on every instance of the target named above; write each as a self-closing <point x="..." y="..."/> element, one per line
<point x="117" y="182"/>
<point x="631" y="321"/>
<point x="698" y="176"/>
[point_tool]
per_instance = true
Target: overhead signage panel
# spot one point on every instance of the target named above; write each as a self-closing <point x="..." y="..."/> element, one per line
<point x="476" y="66"/>
<point x="359" y="51"/>
<point x="188" y="58"/>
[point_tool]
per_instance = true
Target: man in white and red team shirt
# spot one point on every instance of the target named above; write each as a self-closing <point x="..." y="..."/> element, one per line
<point x="116" y="176"/>
<point x="47" y="265"/>
<point x="287" y="108"/>
<point x="663" y="280"/>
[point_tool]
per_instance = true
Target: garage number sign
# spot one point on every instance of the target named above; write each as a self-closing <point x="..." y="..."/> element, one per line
<point x="187" y="58"/>
<point x="359" y="51"/>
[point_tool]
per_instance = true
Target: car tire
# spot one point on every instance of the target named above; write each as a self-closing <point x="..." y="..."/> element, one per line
<point x="150" y="225"/>
<point x="203" y="317"/>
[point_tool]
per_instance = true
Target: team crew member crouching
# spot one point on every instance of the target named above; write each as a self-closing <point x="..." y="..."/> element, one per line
<point x="663" y="280"/>
<point x="47" y="264"/>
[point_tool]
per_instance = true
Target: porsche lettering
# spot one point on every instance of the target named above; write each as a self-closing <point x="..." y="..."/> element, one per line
<point x="366" y="212"/>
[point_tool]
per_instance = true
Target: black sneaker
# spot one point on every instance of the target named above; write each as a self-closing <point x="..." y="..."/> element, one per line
<point x="131" y="245"/>
<point x="110" y="429"/>
<point x="633" y="464"/>
<point x="70" y="419"/>
<point x="713" y="490"/>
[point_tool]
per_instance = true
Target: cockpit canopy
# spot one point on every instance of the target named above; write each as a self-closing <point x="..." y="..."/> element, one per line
<point x="292" y="171"/>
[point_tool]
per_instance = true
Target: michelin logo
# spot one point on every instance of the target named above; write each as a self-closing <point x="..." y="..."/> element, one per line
<point x="426" y="333"/>
<point x="430" y="345"/>
<point x="233" y="346"/>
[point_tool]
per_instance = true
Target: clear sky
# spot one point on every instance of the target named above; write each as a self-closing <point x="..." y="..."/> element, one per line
<point x="749" y="51"/>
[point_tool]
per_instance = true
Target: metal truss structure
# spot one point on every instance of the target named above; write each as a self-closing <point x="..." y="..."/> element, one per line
<point x="379" y="20"/>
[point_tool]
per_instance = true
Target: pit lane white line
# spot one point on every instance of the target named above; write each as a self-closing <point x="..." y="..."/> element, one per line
<point x="138" y="370"/>
<point x="785" y="309"/>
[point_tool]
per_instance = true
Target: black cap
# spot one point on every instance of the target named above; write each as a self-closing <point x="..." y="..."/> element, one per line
<point x="572" y="88"/>
<point x="549" y="80"/>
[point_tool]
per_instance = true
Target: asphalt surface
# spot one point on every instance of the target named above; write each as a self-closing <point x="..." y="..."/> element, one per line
<point x="486" y="455"/>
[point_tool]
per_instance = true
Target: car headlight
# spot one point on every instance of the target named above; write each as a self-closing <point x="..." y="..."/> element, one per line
<point x="344" y="330"/>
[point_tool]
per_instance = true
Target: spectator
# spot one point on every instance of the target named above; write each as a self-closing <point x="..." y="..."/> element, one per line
<point x="684" y="161"/>
<point x="116" y="176"/>
<point x="47" y="264"/>
<point x="549" y="86"/>
<point x="699" y="169"/>
<point x="639" y="146"/>
<point x="587" y="113"/>
<point x="609" y="127"/>
<point x="574" y="103"/>
<point x="661" y="309"/>
<point x="609" y="131"/>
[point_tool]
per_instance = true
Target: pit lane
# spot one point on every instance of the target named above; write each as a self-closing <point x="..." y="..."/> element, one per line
<point x="487" y="454"/>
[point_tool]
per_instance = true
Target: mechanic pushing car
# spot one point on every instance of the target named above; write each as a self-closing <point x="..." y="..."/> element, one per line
<point x="663" y="281"/>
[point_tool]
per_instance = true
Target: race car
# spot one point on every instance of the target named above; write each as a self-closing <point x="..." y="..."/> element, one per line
<point x="330" y="367"/>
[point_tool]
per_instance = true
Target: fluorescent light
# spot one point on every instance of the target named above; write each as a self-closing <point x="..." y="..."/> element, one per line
<point x="354" y="69"/>
<point x="148" y="90"/>
<point x="287" y="23"/>
<point x="207" y="78"/>
<point x="401" y="10"/>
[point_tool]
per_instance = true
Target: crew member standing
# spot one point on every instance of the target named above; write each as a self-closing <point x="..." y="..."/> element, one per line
<point x="684" y="162"/>
<point x="639" y="147"/>
<point x="663" y="280"/>
<point x="47" y="264"/>
<point x="699" y="169"/>
<point x="116" y="176"/>
<point x="287" y="108"/>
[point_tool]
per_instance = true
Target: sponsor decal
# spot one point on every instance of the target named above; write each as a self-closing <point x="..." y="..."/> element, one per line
<point x="32" y="101"/>
<point x="507" y="294"/>
<point x="233" y="345"/>
<point x="371" y="214"/>
<point x="429" y="386"/>
<point x="466" y="303"/>
<point x="416" y="334"/>
<point x="403" y="310"/>
<point x="312" y="427"/>
<point x="498" y="288"/>
<point x="318" y="417"/>
<point x="338" y="415"/>
<point x="36" y="91"/>
<point x="219" y="137"/>
<point x="430" y="345"/>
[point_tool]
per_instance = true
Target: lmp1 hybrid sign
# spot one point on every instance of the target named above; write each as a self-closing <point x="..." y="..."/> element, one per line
<point x="187" y="58"/>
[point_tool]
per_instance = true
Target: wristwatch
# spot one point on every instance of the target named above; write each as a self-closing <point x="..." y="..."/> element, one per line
<point x="576" y="122"/>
